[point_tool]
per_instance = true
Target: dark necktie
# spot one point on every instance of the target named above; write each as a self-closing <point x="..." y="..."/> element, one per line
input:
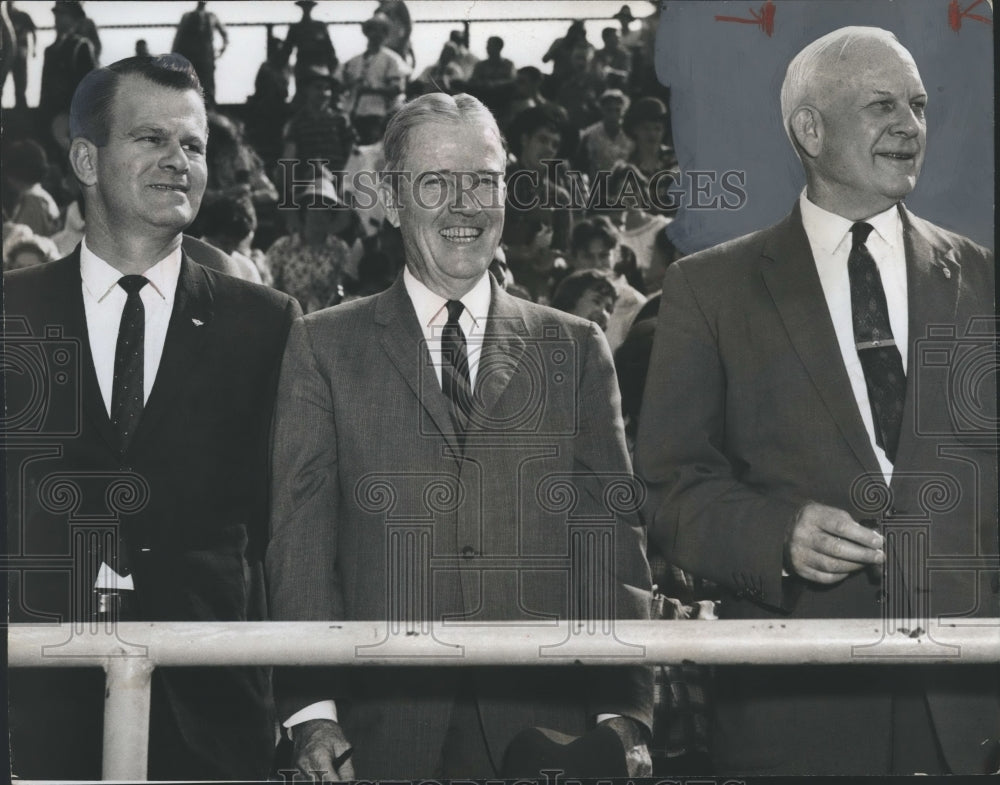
<point x="127" y="387"/>
<point x="455" y="378"/>
<point x="877" y="350"/>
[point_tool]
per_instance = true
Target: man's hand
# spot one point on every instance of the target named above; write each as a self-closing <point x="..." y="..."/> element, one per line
<point x="826" y="545"/>
<point x="318" y="747"/>
<point x="633" y="736"/>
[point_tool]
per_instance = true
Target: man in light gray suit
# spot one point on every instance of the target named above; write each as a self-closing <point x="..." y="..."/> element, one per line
<point x="444" y="451"/>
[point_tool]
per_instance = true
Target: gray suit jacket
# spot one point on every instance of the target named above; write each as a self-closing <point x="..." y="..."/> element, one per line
<point x="380" y="513"/>
<point x="749" y="414"/>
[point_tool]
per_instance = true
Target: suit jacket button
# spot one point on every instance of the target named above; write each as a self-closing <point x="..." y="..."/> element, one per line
<point x="468" y="552"/>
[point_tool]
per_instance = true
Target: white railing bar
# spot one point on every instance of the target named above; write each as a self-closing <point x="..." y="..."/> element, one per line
<point x="721" y="642"/>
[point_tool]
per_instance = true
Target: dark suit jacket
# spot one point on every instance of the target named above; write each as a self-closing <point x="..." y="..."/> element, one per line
<point x="749" y="414"/>
<point x="380" y="514"/>
<point x="190" y="494"/>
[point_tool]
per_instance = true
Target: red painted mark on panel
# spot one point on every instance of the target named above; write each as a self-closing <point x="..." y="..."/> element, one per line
<point x="764" y="19"/>
<point x="956" y="15"/>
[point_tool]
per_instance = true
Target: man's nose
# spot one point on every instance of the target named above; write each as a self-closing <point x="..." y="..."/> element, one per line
<point x="462" y="194"/>
<point x="907" y="122"/>
<point x="175" y="157"/>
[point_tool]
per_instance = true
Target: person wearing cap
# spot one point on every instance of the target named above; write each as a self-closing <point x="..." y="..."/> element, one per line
<point x="605" y="143"/>
<point x="414" y="417"/>
<point x="160" y="444"/>
<point x="613" y="59"/>
<point x="319" y="130"/>
<point x="310" y="40"/>
<point x="66" y="61"/>
<point x="375" y="81"/>
<point x="796" y="438"/>
<point x="309" y="263"/>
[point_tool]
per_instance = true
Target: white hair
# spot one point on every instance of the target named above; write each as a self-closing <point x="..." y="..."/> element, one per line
<point x="807" y="65"/>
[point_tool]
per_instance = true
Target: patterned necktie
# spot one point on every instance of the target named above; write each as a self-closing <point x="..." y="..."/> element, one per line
<point x="128" y="386"/>
<point x="880" y="358"/>
<point x="455" y="378"/>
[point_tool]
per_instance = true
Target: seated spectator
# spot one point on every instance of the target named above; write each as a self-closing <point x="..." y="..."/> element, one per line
<point x="590" y="294"/>
<point x="604" y="144"/>
<point x="230" y="223"/>
<point x="318" y="130"/>
<point x="375" y="81"/>
<point x="642" y="231"/>
<point x="578" y="89"/>
<point x="235" y="170"/>
<point x="309" y="263"/>
<point x="596" y="245"/>
<point x="534" y="263"/>
<point x="267" y="108"/>
<point x="25" y="166"/>
<point x="559" y="53"/>
<point x="539" y="178"/>
<point x="647" y="124"/>
<point x="466" y="60"/>
<point x="613" y="60"/>
<point x="444" y="76"/>
<point x="400" y="28"/>
<point x="492" y="80"/>
<point x="527" y="94"/>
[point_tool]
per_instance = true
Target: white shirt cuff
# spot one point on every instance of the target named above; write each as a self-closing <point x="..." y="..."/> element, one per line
<point x="322" y="710"/>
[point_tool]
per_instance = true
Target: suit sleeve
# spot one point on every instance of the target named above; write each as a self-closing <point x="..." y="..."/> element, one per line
<point x="303" y="580"/>
<point x="603" y="468"/>
<point x="700" y="514"/>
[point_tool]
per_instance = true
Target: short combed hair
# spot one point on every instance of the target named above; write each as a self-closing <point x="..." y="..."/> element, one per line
<point x="599" y="227"/>
<point x="806" y="65"/>
<point x="90" y="112"/>
<point x="432" y="108"/>
<point x="575" y="285"/>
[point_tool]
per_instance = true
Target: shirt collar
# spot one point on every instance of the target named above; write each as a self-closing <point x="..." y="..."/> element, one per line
<point x="430" y="307"/>
<point x="100" y="278"/>
<point x="828" y="230"/>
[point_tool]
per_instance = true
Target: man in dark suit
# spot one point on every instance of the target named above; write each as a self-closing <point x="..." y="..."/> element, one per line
<point x="137" y="468"/>
<point x="806" y="443"/>
<point x="443" y="451"/>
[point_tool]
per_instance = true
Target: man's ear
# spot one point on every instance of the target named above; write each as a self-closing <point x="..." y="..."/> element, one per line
<point x="83" y="159"/>
<point x="807" y="129"/>
<point x="389" y="199"/>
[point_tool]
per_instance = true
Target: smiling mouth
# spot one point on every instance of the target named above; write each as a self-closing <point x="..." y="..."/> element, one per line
<point x="167" y="187"/>
<point x="462" y="235"/>
<point x="899" y="156"/>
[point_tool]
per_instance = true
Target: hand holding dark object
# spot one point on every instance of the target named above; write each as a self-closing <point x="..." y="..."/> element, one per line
<point x="826" y="545"/>
<point x="634" y="739"/>
<point x="320" y="749"/>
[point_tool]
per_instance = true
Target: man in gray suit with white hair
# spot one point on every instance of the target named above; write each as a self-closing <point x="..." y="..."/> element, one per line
<point x="444" y="451"/>
<point x="803" y="450"/>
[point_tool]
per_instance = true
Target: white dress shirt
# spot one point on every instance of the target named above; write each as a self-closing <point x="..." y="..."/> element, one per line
<point x="830" y="239"/>
<point x="432" y="315"/>
<point x="103" y="303"/>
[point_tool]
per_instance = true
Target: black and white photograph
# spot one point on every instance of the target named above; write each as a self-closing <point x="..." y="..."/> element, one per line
<point x="500" y="391"/>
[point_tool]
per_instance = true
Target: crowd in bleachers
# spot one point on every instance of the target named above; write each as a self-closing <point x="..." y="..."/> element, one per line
<point x="289" y="197"/>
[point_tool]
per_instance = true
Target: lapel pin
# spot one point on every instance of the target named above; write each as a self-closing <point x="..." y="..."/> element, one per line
<point x="197" y="322"/>
<point x="946" y="272"/>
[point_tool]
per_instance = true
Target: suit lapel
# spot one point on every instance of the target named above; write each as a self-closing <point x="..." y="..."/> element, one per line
<point x="402" y="339"/>
<point x="503" y="345"/>
<point x="789" y="272"/>
<point x="933" y="281"/>
<point x="191" y="324"/>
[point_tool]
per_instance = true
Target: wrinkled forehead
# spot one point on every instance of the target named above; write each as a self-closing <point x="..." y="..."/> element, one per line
<point x="466" y="145"/>
<point x="867" y="58"/>
<point x="138" y="99"/>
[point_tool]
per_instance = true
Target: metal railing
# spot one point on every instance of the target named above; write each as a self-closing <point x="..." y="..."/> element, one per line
<point x="129" y="652"/>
